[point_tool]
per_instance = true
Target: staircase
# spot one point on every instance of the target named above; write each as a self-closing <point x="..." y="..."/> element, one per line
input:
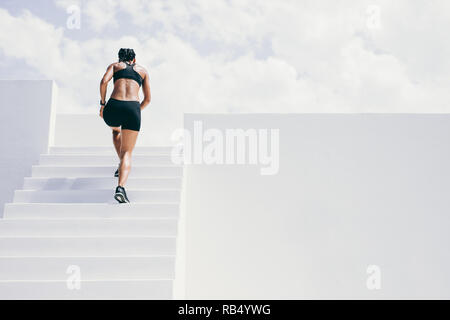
<point x="65" y="237"/>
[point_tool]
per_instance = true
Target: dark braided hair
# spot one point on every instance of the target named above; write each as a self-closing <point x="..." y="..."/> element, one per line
<point x="126" y="54"/>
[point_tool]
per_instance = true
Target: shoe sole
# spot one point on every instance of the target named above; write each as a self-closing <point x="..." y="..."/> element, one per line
<point x="120" y="198"/>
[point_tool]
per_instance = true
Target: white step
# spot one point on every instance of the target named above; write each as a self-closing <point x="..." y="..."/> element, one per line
<point x="101" y="160"/>
<point x="94" y="196"/>
<point x="89" y="290"/>
<point x="105" y="171"/>
<point x="89" y="210"/>
<point x="109" y="150"/>
<point x="91" y="268"/>
<point x="99" y="183"/>
<point x="86" y="246"/>
<point x="87" y="227"/>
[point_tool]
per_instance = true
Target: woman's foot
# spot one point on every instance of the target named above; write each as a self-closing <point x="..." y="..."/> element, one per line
<point x="121" y="195"/>
<point x="116" y="174"/>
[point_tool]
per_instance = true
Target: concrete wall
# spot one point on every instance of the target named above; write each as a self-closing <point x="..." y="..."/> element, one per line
<point x="81" y="130"/>
<point x="26" y="129"/>
<point x="91" y="130"/>
<point x="352" y="191"/>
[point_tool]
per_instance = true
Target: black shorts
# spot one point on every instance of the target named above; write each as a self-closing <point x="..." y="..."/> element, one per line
<point x="126" y="114"/>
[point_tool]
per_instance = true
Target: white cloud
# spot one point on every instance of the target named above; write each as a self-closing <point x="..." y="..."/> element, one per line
<point x="18" y="40"/>
<point x="101" y="13"/>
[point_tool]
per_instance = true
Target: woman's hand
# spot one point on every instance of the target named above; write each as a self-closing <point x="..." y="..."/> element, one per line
<point x="101" y="111"/>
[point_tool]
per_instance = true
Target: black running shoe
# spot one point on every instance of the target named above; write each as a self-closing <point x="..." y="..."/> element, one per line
<point x="121" y="195"/>
<point x="116" y="174"/>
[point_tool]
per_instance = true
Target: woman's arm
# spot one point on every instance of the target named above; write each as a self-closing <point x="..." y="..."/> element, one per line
<point x="104" y="85"/>
<point x="146" y="90"/>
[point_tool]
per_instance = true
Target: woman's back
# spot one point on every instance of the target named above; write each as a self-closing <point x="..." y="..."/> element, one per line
<point x="127" y="81"/>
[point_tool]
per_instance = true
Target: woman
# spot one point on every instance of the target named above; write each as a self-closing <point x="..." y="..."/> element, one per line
<point x="123" y="110"/>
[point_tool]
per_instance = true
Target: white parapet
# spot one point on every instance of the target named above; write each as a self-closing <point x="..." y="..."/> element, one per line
<point x="357" y="209"/>
<point x="26" y="129"/>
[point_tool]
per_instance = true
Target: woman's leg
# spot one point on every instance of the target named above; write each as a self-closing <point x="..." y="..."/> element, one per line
<point x="116" y="139"/>
<point x="128" y="138"/>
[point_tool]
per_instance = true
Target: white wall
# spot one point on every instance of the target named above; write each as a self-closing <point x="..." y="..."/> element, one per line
<point x="90" y="130"/>
<point x="353" y="190"/>
<point x="81" y="130"/>
<point x="28" y="108"/>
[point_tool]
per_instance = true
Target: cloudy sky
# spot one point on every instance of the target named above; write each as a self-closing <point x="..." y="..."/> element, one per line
<point x="238" y="56"/>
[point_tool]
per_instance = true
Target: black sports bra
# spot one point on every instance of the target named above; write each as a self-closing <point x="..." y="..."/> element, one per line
<point x="128" y="73"/>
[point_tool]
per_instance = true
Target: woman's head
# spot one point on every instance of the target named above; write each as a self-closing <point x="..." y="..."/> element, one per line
<point x="126" y="54"/>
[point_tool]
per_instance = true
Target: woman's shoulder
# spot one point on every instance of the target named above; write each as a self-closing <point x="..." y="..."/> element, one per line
<point x="117" y="65"/>
<point x="140" y="69"/>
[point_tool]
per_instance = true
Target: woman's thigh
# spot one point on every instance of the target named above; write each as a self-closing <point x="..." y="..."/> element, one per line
<point x="129" y="138"/>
